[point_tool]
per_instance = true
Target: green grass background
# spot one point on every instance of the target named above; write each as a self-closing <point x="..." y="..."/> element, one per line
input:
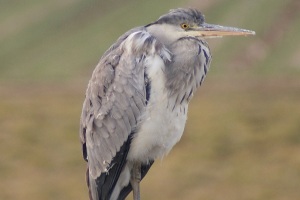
<point x="242" y="139"/>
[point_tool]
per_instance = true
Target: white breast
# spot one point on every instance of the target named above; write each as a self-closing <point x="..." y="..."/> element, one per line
<point x="162" y="125"/>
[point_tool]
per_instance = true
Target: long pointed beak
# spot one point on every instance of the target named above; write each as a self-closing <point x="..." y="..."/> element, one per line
<point x="212" y="30"/>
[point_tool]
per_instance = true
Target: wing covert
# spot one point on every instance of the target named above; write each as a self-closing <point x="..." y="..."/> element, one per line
<point x="116" y="98"/>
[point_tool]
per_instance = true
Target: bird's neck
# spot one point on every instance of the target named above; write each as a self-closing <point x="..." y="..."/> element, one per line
<point x="164" y="33"/>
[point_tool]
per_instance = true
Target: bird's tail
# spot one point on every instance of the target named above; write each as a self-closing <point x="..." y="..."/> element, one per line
<point x="126" y="190"/>
<point x="102" y="187"/>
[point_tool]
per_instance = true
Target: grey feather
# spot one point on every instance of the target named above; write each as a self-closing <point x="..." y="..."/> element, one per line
<point x="111" y="112"/>
<point x="139" y="89"/>
<point x="180" y="75"/>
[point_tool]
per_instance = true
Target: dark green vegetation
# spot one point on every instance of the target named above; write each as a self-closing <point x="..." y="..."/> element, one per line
<point x="242" y="139"/>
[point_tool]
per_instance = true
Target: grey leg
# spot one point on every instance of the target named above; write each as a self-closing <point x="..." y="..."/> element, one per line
<point x="135" y="180"/>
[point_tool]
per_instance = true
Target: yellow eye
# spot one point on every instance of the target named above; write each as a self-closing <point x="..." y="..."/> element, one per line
<point x="184" y="26"/>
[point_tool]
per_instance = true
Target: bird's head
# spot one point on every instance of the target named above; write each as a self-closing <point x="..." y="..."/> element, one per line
<point x="190" y="23"/>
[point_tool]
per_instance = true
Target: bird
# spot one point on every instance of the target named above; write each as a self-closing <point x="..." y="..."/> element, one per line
<point x="136" y="102"/>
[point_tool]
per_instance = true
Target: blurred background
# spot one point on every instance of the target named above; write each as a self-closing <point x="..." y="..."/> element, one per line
<point x="242" y="139"/>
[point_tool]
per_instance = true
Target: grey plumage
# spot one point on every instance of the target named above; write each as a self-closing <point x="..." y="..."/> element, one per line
<point x="109" y="99"/>
<point x="181" y="15"/>
<point x="137" y="98"/>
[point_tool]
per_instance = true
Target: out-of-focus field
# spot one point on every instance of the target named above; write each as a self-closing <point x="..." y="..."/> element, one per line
<point x="242" y="140"/>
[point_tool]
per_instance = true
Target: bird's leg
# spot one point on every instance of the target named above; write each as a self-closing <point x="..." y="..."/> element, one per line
<point x="135" y="180"/>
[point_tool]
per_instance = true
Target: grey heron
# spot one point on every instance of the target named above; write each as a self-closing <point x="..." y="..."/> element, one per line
<point x="137" y="99"/>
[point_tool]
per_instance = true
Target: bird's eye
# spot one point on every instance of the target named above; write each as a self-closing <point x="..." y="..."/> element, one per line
<point x="184" y="26"/>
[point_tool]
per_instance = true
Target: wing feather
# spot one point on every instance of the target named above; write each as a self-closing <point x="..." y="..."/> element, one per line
<point x="131" y="117"/>
<point x="115" y="98"/>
